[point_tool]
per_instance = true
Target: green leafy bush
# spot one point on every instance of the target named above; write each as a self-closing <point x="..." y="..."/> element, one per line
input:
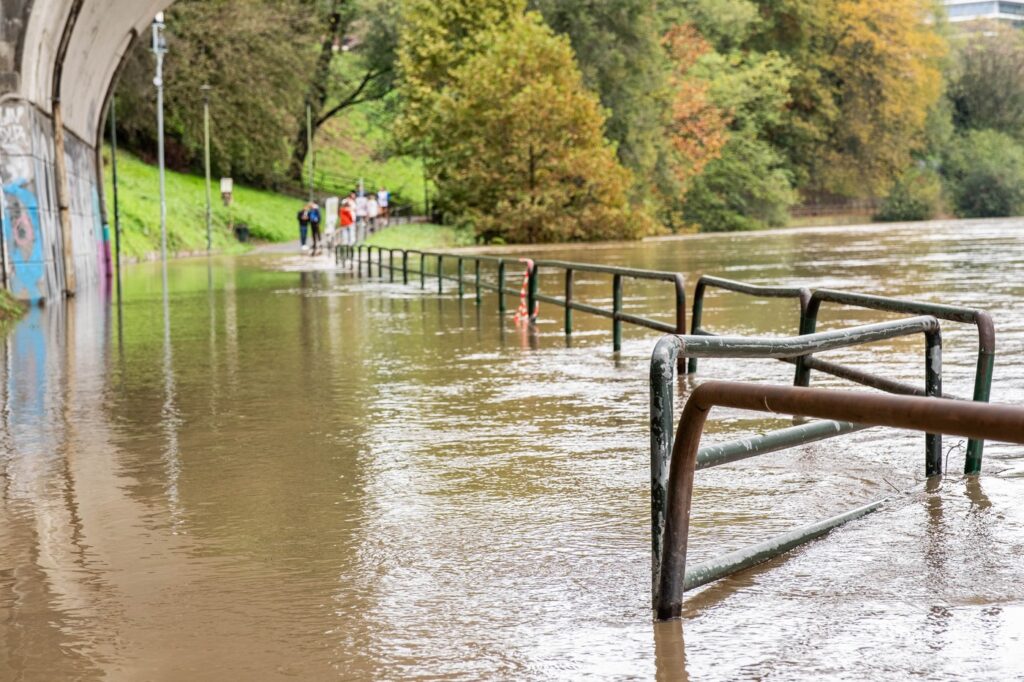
<point x="984" y="175"/>
<point x="745" y="189"/>
<point x="917" y="195"/>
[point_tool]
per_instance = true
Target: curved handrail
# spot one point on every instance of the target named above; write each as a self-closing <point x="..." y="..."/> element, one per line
<point x="981" y="319"/>
<point x="970" y="419"/>
<point x="671" y="348"/>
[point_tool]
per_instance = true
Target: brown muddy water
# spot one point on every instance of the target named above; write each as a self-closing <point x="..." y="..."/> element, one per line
<point x="289" y="472"/>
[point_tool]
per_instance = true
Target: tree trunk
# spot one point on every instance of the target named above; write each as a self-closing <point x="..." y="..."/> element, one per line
<point x="317" y="95"/>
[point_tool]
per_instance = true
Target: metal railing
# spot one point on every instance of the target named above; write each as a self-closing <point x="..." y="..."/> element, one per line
<point x="810" y="305"/>
<point x="670" y="349"/>
<point x="672" y="578"/>
<point x="979" y="318"/>
<point x="362" y="255"/>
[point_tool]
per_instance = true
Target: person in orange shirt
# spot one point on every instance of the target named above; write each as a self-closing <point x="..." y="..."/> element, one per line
<point x="346" y="218"/>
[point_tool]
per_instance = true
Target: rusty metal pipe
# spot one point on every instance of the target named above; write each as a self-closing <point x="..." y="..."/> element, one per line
<point x="969" y="419"/>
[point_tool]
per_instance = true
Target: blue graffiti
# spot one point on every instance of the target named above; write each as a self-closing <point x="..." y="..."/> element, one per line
<point x="24" y="240"/>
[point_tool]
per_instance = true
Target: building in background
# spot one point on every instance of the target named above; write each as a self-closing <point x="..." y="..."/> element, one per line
<point x="1008" y="11"/>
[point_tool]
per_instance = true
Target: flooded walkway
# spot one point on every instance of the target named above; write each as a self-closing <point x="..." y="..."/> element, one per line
<point x="286" y="472"/>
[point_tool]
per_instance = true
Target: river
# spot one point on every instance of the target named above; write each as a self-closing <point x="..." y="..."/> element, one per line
<point x="284" y="471"/>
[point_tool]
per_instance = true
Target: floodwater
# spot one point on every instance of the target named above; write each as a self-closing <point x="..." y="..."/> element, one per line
<point x="287" y="472"/>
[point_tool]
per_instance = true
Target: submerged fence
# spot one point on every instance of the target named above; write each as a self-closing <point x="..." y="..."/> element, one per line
<point x="840" y="413"/>
<point x="672" y="578"/>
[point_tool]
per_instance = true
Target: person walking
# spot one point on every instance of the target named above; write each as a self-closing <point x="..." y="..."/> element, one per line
<point x="314" y="226"/>
<point x="384" y="201"/>
<point x="372" y="212"/>
<point x="361" y="212"/>
<point x="346" y="218"/>
<point x="303" y="217"/>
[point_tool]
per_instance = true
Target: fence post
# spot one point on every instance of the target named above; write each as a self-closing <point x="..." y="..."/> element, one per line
<point x="440" y="274"/>
<point x="391" y="265"/>
<point x="405" y="266"/>
<point x="531" y="292"/>
<point x="461" y="285"/>
<point x="616" y="310"/>
<point x="380" y="262"/>
<point x="477" y="278"/>
<point x="423" y="271"/>
<point x="568" y="301"/>
<point x="933" y="389"/>
<point x="501" y="285"/>
<point x="696" y="319"/>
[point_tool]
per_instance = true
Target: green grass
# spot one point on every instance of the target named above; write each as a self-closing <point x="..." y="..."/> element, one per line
<point x="421" y="237"/>
<point x="270" y="216"/>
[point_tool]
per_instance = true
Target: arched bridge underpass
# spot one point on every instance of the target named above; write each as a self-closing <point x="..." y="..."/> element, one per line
<point x="58" y="62"/>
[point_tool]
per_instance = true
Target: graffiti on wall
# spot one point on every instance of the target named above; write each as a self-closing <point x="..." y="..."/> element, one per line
<point x="24" y="240"/>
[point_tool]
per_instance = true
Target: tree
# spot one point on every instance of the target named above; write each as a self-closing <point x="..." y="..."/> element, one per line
<point x="436" y="37"/>
<point x="984" y="173"/>
<point x="617" y="48"/>
<point x="865" y="75"/>
<point x="237" y="48"/>
<point x="518" y="149"/>
<point x="986" y="85"/>
<point x="332" y="88"/>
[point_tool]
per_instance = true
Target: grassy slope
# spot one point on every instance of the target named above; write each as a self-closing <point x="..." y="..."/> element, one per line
<point x="270" y="216"/>
<point x="421" y="237"/>
<point x="350" y="146"/>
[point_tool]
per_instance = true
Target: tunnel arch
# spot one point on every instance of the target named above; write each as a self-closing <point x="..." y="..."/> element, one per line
<point x="58" y="63"/>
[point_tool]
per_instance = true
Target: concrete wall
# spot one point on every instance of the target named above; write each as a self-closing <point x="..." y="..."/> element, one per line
<point x="97" y="33"/>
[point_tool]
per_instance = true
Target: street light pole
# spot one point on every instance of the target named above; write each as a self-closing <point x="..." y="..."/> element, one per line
<point x="160" y="49"/>
<point x="117" y="205"/>
<point x="206" y="157"/>
<point x="309" y="145"/>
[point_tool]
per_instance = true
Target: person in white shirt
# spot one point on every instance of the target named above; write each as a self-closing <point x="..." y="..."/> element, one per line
<point x="372" y="212"/>
<point x="361" y="214"/>
<point x="384" y="200"/>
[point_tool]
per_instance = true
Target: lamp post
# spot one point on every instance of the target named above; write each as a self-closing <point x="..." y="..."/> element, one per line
<point x="159" y="48"/>
<point x="309" y="144"/>
<point x="206" y="158"/>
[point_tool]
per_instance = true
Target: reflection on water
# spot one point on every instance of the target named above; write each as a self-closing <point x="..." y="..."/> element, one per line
<point x="285" y="471"/>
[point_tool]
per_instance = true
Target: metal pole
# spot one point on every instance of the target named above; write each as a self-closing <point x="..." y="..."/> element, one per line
<point x="568" y="301"/>
<point x="616" y="310"/>
<point x="117" y="204"/>
<point x="309" y="145"/>
<point x="159" y="48"/>
<point x="206" y="160"/>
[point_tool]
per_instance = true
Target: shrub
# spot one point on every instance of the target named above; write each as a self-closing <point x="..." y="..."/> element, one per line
<point x="984" y="175"/>
<point x="917" y="195"/>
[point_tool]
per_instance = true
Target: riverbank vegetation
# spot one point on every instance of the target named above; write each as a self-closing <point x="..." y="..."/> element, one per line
<point x="565" y="120"/>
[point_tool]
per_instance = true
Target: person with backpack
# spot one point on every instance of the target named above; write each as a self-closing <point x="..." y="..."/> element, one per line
<point x="314" y="226"/>
<point x="303" y="217"/>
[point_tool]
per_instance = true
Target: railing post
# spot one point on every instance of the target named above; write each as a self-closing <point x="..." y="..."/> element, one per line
<point x="531" y="292"/>
<point x="662" y="381"/>
<point x="697" y="319"/>
<point x="380" y="262"/>
<point x="405" y="266"/>
<point x="391" y="265"/>
<point x="461" y="284"/>
<point x="440" y="274"/>
<point x="808" y="323"/>
<point x="423" y="271"/>
<point x="568" y="301"/>
<point x="933" y="389"/>
<point x="477" y="279"/>
<point x="982" y="391"/>
<point x="616" y="311"/>
<point x="501" y="285"/>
